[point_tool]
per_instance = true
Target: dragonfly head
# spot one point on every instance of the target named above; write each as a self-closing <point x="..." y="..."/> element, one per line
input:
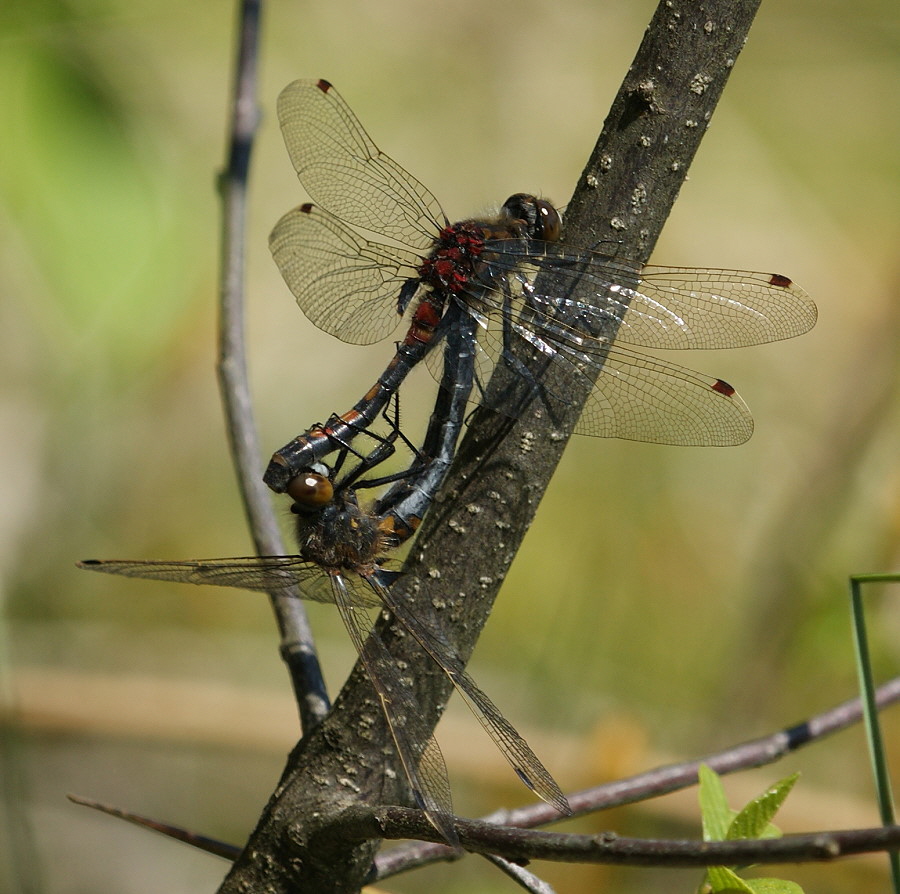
<point x="542" y="221"/>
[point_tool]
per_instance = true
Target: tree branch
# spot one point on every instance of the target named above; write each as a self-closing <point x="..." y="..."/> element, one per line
<point x="297" y="647"/>
<point x="607" y="847"/>
<point x="502" y="469"/>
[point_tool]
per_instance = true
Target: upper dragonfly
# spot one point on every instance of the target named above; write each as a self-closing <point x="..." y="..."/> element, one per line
<point x="378" y="239"/>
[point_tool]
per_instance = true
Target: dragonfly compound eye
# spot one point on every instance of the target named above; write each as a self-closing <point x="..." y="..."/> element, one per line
<point x="549" y="222"/>
<point x="309" y="490"/>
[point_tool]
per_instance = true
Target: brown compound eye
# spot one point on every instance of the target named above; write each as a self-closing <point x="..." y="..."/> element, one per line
<point x="310" y="490"/>
<point x="549" y="225"/>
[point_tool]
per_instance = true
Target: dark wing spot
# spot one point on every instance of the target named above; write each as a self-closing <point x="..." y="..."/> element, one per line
<point x="778" y="279"/>
<point x="723" y="388"/>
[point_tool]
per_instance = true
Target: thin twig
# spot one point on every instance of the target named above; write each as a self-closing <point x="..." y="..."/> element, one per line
<point x="525" y="879"/>
<point x="646" y="785"/>
<point x="662" y="780"/>
<point x="609" y="848"/>
<point x="194" y="839"/>
<point x="297" y="646"/>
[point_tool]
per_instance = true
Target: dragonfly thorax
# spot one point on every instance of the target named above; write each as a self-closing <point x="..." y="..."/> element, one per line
<point x="452" y="264"/>
<point x="341" y="535"/>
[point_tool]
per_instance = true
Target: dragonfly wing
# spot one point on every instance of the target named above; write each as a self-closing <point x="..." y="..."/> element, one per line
<point x="345" y="284"/>
<point x="416" y="747"/>
<point x="678" y="307"/>
<point x="636" y="397"/>
<point x="264" y="573"/>
<point x="345" y="172"/>
<point x="514" y="748"/>
<point x="654" y="307"/>
<point x="642" y="398"/>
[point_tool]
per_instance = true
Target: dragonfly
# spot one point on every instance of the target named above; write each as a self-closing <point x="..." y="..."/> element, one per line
<point x="343" y="559"/>
<point x="376" y="246"/>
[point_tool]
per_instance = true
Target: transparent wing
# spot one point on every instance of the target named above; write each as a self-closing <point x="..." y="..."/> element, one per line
<point x="246" y="573"/>
<point x="641" y="398"/>
<point x="345" y="284"/>
<point x="417" y="749"/>
<point x="708" y="308"/>
<point x="513" y="747"/>
<point x="654" y="307"/>
<point x="636" y="396"/>
<point x="346" y="173"/>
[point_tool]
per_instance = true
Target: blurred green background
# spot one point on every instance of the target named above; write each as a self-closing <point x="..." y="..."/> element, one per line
<point x="667" y="601"/>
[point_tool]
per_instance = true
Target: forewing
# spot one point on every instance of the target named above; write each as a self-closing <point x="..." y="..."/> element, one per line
<point x="653" y="307"/>
<point x="345" y="172"/>
<point x="264" y="573"/>
<point x="680" y="307"/>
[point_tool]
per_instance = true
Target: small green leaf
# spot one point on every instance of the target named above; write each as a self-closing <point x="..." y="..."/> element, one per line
<point x="754" y="821"/>
<point x="713" y="805"/>
<point x="720" y="823"/>
<point x="723" y="881"/>
<point x="773" y="886"/>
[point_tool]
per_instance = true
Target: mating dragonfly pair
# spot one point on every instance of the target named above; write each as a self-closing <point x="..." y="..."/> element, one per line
<point x="378" y="246"/>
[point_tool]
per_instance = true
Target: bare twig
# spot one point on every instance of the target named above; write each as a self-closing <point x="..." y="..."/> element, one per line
<point x="641" y="787"/>
<point x="607" y="847"/>
<point x="297" y="647"/>
<point x="194" y="839"/>
<point x="525" y="879"/>
<point x="660" y="781"/>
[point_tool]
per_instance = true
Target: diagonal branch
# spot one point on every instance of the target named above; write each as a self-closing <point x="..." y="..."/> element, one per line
<point x="624" y="195"/>
<point x="648" y="141"/>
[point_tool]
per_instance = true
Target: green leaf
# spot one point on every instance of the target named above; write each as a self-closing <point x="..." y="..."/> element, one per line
<point x="720" y="823"/>
<point x="773" y="886"/>
<point x="723" y="881"/>
<point x="713" y="805"/>
<point x="754" y="821"/>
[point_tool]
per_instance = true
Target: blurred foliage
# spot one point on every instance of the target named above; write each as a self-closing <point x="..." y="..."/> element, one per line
<point x="658" y="586"/>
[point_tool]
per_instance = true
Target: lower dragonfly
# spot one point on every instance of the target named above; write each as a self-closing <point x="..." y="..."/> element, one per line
<point x="378" y="244"/>
<point x="342" y="560"/>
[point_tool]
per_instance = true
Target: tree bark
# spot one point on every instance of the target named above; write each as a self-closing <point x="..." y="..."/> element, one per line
<point x="502" y="468"/>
